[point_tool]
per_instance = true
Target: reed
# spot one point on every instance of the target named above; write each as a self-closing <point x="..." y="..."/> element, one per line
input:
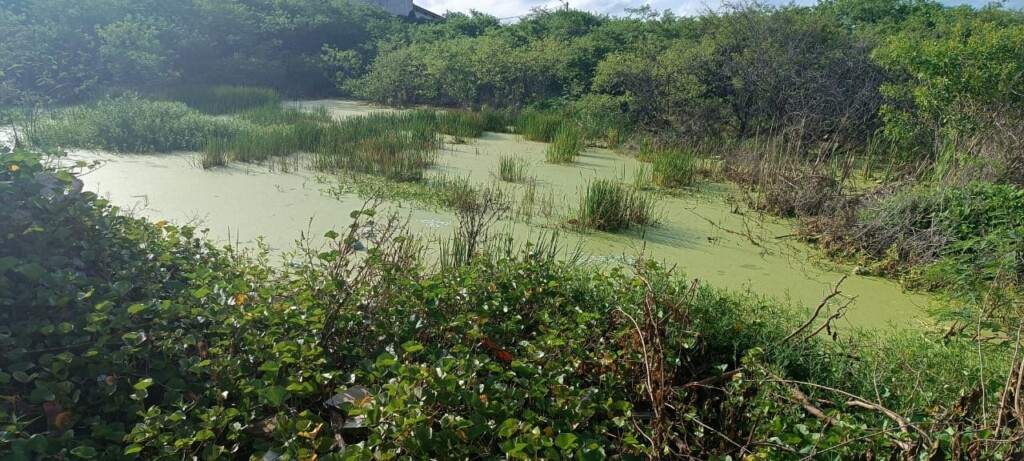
<point x="224" y="99"/>
<point x="396" y="146"/>
<point x="130" y="124"/>
<point x="512" y="168"/>
<point x="540" y="126"/>
<point x="675" y="168"/>
<point x="606" y="205"/>
<point x="274" y="114"/>
<point x="496" y="120"/>
<point x="568" y="143"/>
<point x="461" y="123"/>
<point x="213" y="158"/>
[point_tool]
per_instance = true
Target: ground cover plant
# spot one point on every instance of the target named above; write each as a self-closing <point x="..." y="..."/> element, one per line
<point x="155" y="344"/>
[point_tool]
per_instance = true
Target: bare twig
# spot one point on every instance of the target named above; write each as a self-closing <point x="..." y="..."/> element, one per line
<point x="817" y="311"/>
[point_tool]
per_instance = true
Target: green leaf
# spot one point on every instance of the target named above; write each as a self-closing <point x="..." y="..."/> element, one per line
<point x="144" y="384"/>
<point x="136" y="308"/>
<point x="331" y="234"/>
<point x="270" y="366"/>
<point x="508" y="427"/>
<point x="132" y="449"/>
<point x="565" y="441"/>
<point x="42" y="394"/>
<point x="37" y="443"/>
<point x="412" y="346"/>
<point x="84" y="452"/>
<point x="274" y="395"/>
<point x="133" y="338"/>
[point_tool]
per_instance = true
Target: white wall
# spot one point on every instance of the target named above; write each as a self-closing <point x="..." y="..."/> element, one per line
<point x="396" y="7"/>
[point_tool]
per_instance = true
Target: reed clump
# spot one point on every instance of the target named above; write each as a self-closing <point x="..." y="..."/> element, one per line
<point x="130" y="124"/>
<point x="607" y="205"/>
<point x="540" y="126"/>
<point x="225" y="99"/>
<point x="396" y="146"/>
<point x="675" y="168"/>
<point x="512" y="168"/>
<point x="568" y="143"/>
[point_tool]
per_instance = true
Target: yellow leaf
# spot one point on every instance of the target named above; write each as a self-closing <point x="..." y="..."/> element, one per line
<point x="241" y="298"/>
<point x="14" y="168"/>
<point x="63" y="421"/>
<point x="312" y="434"/>
<point x="160" y="224"/>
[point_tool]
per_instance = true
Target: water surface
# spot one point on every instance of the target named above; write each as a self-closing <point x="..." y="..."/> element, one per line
<point x="700" y="232"/>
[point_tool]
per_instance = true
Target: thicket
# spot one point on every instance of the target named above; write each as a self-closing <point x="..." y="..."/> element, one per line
<point x="62" y="51"/>
<point x="123" y="339"/>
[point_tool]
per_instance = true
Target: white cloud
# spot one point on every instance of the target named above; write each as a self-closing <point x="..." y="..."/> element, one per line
<point x="514" y="8"/>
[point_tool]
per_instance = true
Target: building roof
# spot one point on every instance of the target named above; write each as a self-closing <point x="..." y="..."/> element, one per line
<point x="424" y="13"/>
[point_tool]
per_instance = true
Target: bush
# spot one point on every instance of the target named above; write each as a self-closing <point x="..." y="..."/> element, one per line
<point x="123" y="339"/>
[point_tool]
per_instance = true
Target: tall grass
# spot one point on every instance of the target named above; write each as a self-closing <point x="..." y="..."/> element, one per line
<point x="496" y="120"/>
<point x="398" y="146"/>
<point x="675" y="168"/>
<point x="568" y="143"/>
<point x="512" y="168"/>
<point x="224" y="99"/>
<point x="276" y="115"/>
<point x="607" y="205"/>
<point x="541" y="126"/>
<point x="461" y="123"/>
<point x="131" y="124"/>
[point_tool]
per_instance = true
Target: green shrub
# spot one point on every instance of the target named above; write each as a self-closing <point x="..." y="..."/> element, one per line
<point x="123" y="339"/>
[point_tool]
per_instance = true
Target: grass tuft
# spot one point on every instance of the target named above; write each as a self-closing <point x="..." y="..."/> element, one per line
<point x="607" y="205"/>
<point x="512" y="168"/>
<point x="568" y="143"/>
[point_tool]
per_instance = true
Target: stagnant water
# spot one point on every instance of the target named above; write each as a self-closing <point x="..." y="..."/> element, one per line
<point x="701" y="232"/>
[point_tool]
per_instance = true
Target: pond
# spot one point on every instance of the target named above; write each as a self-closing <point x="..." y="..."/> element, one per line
<point x="703" y="233"/>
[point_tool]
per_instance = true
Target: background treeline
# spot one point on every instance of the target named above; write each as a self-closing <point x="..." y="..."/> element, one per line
<point x="841" y="70"/>
<point x="69" y="50"/>
<point x="934" y="79"/>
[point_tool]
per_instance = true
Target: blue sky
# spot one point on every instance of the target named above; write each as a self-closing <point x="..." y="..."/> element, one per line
<point x="511" y="8"/>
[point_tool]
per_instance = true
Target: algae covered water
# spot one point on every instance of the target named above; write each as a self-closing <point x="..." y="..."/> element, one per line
<point x="700" y="232"/>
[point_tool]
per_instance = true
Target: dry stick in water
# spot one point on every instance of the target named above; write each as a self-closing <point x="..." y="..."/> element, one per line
<point x="817" y="311"/>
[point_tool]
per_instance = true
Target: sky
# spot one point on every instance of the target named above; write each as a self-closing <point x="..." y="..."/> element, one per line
<point x="514" y="8"/>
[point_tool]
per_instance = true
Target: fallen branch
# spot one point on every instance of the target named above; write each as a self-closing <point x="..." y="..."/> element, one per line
<point x="817" y="311"/>
<point x="706" y="382"/>
<point x="808" y="406"/>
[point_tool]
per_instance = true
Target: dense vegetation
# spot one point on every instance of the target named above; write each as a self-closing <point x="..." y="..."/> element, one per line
<point x="124" y="339"/>
<point x="891" y="130"/>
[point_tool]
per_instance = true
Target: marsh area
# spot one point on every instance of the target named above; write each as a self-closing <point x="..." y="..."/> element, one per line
<point x="703" y="232"/>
